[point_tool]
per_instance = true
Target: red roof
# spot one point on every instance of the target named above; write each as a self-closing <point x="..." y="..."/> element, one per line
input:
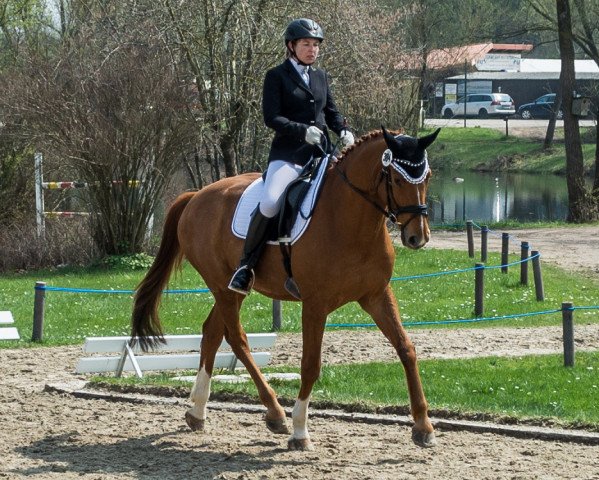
<point x="454" y="56"/>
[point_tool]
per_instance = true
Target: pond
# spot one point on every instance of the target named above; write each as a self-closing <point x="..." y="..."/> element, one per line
<point x="455" y="197"/>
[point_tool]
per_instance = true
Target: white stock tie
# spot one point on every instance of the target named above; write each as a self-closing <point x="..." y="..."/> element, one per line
<point x="305" y="75"/>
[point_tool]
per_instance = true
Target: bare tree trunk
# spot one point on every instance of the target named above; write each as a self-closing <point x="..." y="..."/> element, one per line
<point x="574" y="158"/>
<point x="548" y="143"/>
<point x="227" y="147"/>
<point x="596" y="182"/>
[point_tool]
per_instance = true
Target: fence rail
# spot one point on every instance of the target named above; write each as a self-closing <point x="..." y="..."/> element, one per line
<point x="40" y="186"/>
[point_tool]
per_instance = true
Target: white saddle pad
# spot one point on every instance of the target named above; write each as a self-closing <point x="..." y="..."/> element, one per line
<point x="252" y="194"/>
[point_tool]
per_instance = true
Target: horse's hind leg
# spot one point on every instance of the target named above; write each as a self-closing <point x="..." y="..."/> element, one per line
<point x="212" y="336"/>
<point x="384" y="311"/>
<point x="228" y="304"/>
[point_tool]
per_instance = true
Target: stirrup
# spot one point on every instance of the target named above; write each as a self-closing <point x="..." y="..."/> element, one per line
<point x="250" y="284"/>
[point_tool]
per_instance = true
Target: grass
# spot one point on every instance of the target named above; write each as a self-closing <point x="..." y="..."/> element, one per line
<point x="70" y="317"/>
<point x="489" y="149"/>
<point x="538" y="389"/>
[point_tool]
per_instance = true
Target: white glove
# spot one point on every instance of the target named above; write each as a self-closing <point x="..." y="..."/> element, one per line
<point x="347" y="138"/>
<point x="313" y="135"/>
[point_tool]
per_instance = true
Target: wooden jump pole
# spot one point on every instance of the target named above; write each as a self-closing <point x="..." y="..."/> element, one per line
<point x="470" y="236"/>
<point x="536" y="270"/>
<point x="568" y="330"/>
<point x="38" y="312"/>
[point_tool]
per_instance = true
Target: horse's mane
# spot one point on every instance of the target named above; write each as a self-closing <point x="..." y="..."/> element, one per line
<point x="364" y="138"/>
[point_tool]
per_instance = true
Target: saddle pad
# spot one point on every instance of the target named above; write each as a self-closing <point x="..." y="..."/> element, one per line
<point x="252" y="194"/>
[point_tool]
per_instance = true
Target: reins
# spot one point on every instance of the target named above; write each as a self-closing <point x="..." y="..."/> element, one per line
<point x="391" y="212"/>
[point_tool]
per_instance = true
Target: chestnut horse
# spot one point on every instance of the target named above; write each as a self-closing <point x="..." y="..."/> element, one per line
<point x="345" y="255"/>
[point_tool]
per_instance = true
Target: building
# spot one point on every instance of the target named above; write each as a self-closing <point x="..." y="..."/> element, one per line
<point x="441" y="64"/>
<point x="535" y="78"/>
<point x="495" y="67"/>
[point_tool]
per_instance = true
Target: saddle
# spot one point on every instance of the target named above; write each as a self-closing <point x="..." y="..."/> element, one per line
<point x="292" y="221"/>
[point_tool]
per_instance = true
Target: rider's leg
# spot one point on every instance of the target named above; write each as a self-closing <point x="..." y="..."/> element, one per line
<point x="279" y="175"/>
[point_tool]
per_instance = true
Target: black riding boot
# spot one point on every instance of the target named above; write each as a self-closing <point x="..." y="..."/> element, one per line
<point x="255" y="240"/>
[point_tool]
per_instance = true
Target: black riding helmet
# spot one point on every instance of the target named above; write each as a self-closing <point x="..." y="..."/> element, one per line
<point x="303" y="28"/>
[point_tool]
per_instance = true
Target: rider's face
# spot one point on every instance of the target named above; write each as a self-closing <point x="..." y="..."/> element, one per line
<point x="306" y="50"/>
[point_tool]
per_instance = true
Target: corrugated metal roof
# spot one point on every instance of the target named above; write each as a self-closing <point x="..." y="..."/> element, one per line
<point x="555" y="65"/>
<point x="523" y="76"/>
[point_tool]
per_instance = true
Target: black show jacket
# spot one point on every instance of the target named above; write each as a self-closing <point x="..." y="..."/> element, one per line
<point x="289" y="107"/>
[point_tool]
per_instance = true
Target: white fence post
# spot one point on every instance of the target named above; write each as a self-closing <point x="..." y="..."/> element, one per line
<point x="39" y="196"/>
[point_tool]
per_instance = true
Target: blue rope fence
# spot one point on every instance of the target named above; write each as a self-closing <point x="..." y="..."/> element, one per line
<point x="118" y="292"/>
<point x="40" y="286"/>
<point x="43" y="287"/>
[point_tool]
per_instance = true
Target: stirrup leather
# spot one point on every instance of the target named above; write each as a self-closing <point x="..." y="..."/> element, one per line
<point x="249" y="285"/>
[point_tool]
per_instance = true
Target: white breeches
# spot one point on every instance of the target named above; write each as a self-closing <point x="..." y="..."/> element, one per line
<point x="279" y="174"/>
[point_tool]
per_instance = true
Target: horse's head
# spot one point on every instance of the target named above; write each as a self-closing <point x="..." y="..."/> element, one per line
<point x="406" y="170"/>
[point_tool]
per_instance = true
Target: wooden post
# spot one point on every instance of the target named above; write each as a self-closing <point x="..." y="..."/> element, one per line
<point x="277" y="308"/>
<point x="505" y="248"/>
<point x="484" y="236"/>
<point x="568" y="329"/>
<point x="524" y="263"/>
<point x="470" y="238"/>
<point x="479" y="289"/>
<point x="536" y="270"/>
<point x="38" y="312"/>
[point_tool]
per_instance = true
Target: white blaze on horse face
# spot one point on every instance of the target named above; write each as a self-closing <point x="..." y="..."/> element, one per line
<point x="200" y="394"/>
<point x="300" y="419"/>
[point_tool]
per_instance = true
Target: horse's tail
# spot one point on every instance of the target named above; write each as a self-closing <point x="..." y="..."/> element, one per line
<point x="145" y="322"/>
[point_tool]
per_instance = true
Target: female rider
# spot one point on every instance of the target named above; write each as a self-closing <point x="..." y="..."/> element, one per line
<point x="297" y="104"/>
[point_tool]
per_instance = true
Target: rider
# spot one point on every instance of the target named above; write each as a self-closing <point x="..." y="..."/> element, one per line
<point x="297" y="104"/>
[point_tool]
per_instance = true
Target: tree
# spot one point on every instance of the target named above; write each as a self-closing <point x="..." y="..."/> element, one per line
<point x="127" y="89"/>
<point x="578" y="208"/>
<point x="226" y="48"/>
<point x="111" y="103"/>
<point x="363" y="60"/>
<point x="579" y="30"/>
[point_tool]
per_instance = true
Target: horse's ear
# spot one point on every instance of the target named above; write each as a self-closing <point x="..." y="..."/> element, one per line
<point x="424" y="142"/>
<point x="390" y="140"/>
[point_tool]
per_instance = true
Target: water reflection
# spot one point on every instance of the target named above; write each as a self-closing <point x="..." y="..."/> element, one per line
<point x="497" y="196"/>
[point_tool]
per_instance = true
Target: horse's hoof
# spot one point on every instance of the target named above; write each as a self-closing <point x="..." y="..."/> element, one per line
<point x="303" y="444"/>
<point x="424" y="439"/>
<point x="196" y="424"/>
<point x="277" y="426"/>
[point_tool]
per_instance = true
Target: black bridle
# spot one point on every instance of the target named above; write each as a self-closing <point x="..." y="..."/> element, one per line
<point x="393" y="209"/>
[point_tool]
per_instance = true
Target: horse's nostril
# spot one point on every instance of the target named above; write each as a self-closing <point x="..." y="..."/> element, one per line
<point x="416" y="241"/>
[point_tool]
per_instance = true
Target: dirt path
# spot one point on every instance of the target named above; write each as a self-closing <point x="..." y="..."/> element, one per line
<point x="572" y="248"/>
<point x="47" y="435"/>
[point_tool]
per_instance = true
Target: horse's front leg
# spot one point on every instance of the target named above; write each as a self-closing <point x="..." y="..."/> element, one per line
<point x="312" y="331"/>
<point x="384" y="311"/>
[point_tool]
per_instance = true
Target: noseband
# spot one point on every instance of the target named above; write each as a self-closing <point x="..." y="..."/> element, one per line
<point x="393" y="209"/>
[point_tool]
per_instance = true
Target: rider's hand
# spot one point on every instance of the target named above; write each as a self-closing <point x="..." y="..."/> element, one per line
<point x="347" y="138"/>
<point x="313" y="135"/>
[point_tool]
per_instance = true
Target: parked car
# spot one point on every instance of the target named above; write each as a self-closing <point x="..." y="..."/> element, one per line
<point x="540" y="108"/>
<point x="482" y="105"/>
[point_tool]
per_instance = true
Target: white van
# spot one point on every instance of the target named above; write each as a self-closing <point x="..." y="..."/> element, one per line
<point x="482" y="105"/>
